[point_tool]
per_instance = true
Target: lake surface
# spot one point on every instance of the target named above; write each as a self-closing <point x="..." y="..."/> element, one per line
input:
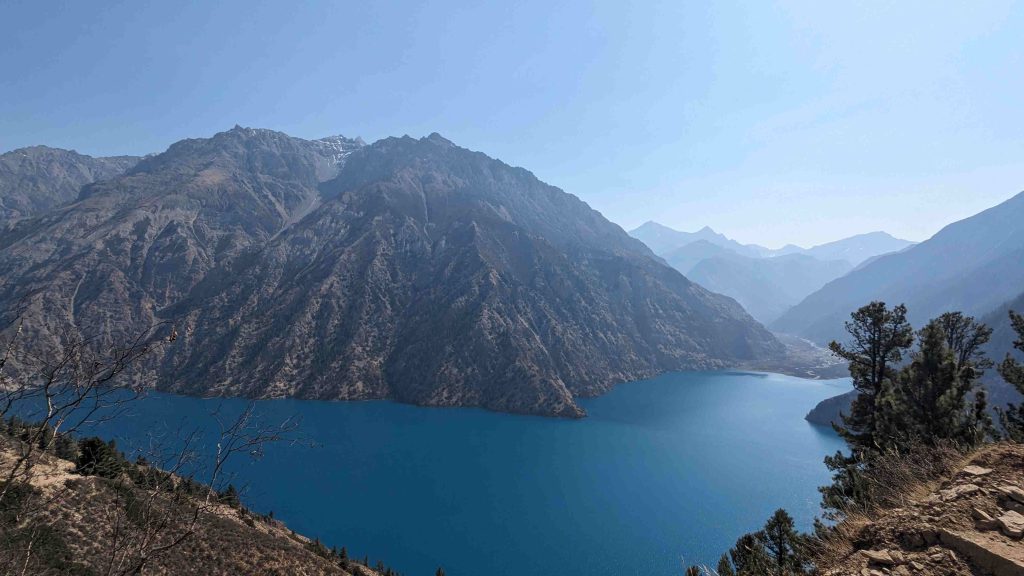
<point x="663" y="471"/>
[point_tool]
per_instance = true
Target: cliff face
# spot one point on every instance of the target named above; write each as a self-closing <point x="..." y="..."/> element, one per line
<point x="34" y="180"/>
<point x="407" y="269"/>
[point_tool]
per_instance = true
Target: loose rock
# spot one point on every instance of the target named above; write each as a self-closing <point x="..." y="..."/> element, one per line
<point x="973" y="470"/>
<point x="879" y="557"/>
<point x="1012" y="524"/>
<point x="1012" y="492"/>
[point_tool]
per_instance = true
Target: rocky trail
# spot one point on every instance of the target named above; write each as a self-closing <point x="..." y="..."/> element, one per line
<point x="972" y="523"/>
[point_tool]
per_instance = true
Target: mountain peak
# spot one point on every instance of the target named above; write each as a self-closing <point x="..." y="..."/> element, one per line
<point x="438" y="139"/>
<point x="652" y="225"/>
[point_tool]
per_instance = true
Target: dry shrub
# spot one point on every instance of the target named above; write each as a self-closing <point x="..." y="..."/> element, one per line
<point x="893" y="480"/>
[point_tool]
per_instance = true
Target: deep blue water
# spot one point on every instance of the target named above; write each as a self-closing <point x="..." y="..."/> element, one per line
<point x="663" y="471"/>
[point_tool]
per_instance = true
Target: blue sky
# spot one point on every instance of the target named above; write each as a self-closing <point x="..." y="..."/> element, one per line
<point x="773" y="122"/>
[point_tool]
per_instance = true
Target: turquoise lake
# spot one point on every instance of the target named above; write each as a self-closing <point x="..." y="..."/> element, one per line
<point x="663" y="472"/>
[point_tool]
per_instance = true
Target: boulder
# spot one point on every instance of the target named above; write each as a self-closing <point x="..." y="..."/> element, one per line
<point x="1012" y="524"/>
<point x="983" y="520"/>
<point x="958" y="491"/>
<point x="1012" y="492"/>
<point x="973" y="470"/>
<point x="881" y="557"/>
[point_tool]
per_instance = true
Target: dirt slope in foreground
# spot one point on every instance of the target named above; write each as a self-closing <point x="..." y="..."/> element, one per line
<point x="86" y="514"/>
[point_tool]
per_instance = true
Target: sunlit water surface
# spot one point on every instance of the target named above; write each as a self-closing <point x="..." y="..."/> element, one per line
<point x="662" y="472"/>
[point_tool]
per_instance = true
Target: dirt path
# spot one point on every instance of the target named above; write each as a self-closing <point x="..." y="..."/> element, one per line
<point x="971" y="524"/>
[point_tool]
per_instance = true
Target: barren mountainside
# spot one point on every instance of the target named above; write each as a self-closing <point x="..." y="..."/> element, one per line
<point x="406" y="269"/>
<point x="36" y="179"/>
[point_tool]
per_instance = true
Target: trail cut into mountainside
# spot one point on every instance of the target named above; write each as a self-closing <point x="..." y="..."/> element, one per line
<point x="970" y="523"/>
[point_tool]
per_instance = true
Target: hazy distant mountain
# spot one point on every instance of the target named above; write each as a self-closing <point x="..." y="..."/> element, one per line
<point x="406" y="269"/>
<point x="766" y="282"/>
<point x="973" y="265"/>
<point x="34" y="180"/>
<point x="766" y="287"/>
<point x="686" y="257"/>
<point x="857" y="249"/>
<point x="662" y="239"/>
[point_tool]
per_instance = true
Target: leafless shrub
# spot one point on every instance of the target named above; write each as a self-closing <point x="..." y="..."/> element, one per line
<point x="157" y="506"/>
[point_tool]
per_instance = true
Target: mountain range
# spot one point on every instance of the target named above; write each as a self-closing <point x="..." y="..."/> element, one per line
<point x="766" y="282"/>
<point x="974" y="265"/>
<point x="409" y="269"/>
<point x="854" y="250"/>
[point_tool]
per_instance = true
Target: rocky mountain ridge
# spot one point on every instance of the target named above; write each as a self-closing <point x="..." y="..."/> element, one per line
<point x="855" y="249"/>
<point x="409" y="269"/>
<point x="36" y="179"/>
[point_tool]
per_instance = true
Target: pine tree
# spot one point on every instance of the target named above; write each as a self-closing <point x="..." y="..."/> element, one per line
<point x="783" y="543"/>
<point x="724" y="567"/>
<point x="880" y="337"/>
<point x="1012" y="418"/>
<point x="99" y="458"/>
<point x="229" y="496"/>
<point x="775" y="550"/>
<point x="931" y="399"/>
<point x="966" y="338"/>
<point x="66" y="447"/>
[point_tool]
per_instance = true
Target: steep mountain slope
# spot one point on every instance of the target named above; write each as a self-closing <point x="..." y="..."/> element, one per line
<point x="998" y="347"/>
<point x="1003" y="335"/>
<point x="138" y="243"/>
<point x="36" y="179"/>
<point x="857" y="249"/>
<point x="973" y="265"/>
<point x="422" y="272"/>
<point x="766" y="287"/>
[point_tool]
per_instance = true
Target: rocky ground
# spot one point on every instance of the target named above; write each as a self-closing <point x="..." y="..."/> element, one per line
<point x="971" y="523"/>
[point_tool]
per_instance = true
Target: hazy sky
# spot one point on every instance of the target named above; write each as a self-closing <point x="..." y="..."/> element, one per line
<point x="772" y="122"/>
